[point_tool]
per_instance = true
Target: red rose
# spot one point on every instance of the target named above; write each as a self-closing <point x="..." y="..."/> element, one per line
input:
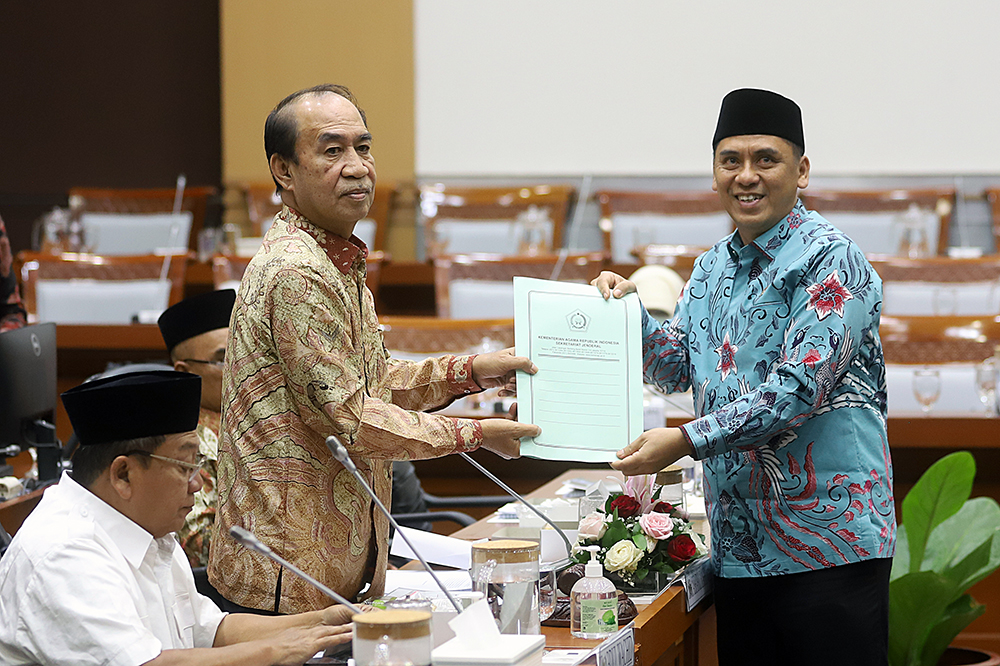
<point x="627" y="506"/>
<point x="681" y="548"/>
<point x="663" y="507"/>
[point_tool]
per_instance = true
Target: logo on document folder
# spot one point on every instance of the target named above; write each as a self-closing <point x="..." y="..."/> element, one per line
<point x="578" y="321"/>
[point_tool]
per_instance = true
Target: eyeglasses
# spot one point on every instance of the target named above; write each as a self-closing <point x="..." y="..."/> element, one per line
<point x="191" y="468"/>
<point x="216" y="364"/>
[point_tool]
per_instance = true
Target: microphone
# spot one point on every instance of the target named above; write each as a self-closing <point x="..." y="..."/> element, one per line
<point x="339" y="452"/>
<point x="253" y="543"/>
<point x="510" y="491"/>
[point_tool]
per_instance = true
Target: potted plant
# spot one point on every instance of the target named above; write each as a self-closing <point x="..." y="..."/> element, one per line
<point x="642" y="540"/>
<point x="946" y="543"/>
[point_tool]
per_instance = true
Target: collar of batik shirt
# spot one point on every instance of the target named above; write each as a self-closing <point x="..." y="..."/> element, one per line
<point x="341" y="251"/>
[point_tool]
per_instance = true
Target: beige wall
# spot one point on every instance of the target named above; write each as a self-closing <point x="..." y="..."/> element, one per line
<point x="270" y="48"/>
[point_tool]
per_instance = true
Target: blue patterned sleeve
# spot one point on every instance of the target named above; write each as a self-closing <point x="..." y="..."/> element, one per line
<point x="830" y="326"/>
<point x="665" y="360"/>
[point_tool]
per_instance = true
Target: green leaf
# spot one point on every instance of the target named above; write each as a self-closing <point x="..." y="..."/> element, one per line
<point x="901" y="560"/>
<point x="640" y="574"/>
<point x="639" y="540"/>
<point x="616" y="532"/>
<point x="935" y="497"/>
<point x="976" y="524"/>
<point x="917" y="602"/>
<point x="955" y="618"/>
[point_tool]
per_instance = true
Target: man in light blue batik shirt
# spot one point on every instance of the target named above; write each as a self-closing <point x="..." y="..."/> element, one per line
<point x="776" y="333"/>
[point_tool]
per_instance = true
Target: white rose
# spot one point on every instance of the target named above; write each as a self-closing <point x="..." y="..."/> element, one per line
<point x="592" y="526"/>
<point x="623" y="556"/>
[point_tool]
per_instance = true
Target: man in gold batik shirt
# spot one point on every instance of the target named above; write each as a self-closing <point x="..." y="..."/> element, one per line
<point x="195" y="332"/>
<point x="305" y="360"/>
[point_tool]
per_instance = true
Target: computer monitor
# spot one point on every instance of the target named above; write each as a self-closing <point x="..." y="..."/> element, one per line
<point x="28" y="396"/>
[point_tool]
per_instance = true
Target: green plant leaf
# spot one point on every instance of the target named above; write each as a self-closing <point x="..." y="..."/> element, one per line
<point x="640" y="574"/>
<point x="616" y="532"/>
<point x="901" y="560"/>
<point x="976" y="524"/>
<point x="639" y="540"/>
<point x="956" y="617"/>
<point x="936" y="496"/>
<point x="917" y="602"/>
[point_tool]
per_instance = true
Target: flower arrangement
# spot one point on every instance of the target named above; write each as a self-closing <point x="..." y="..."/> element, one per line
<point x="639" y="534"/>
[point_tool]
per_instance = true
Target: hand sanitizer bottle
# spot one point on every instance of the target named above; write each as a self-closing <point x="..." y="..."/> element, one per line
<point x="593" y="602"/>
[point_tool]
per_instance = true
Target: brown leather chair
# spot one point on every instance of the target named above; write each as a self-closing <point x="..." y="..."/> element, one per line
<point x="435" y="335"/>
<point x="36" y="268"/>
<point x="150" y="200"/>
<point x="495" y="273"/>
<point x="868" y="216"/>
<point x="227" y="271"/>
<point x="688" y="221"/>
<point x="263" y="204"/>
<point x="486" y="219"/>
<point x="933" y="339"/>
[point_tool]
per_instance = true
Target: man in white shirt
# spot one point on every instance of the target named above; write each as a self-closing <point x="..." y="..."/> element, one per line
<point x="95" y="575"/>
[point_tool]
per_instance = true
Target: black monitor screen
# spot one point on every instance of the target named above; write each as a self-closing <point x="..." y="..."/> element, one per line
<point x="27" y="379"/>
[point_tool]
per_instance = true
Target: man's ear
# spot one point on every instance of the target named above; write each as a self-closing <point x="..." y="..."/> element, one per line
<point x="181" y="366"/>
<point x="120" y="470"/>
<point x="281" y="170"/>
<point x="803" y="181"/>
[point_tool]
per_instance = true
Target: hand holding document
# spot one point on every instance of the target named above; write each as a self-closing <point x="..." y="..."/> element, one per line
<point x="587" y="394"/>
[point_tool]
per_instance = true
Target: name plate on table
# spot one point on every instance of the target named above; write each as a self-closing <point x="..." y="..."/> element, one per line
<point x="619" y="650"/>
<point x="698" y="579"/>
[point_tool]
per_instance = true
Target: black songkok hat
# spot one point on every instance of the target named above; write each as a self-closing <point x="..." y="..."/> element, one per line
<point x="138" y="404"/>
<point x="753" y="111"/>
<point x="196" y="315"/>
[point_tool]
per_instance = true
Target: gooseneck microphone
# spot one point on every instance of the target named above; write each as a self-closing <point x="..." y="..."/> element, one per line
<point x="339" y="452"/>
<point x="510" y="491"/>
<point x="253" y="543"/>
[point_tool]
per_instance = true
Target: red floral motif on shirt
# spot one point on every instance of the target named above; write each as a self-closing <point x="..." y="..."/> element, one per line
<point x="811" y="358"/>
<point x="828" y="296"/>
<point x="727" y="361"/>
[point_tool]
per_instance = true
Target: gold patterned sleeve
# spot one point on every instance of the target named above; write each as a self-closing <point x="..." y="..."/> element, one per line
<point x="431" y="383"/>
<point x="335" y="370"/>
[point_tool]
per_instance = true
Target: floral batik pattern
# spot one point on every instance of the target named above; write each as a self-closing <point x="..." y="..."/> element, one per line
<point x="305" y="360"/>
<point x="778" y="341"/>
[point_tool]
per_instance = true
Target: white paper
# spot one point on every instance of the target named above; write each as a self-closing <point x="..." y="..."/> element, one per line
<point x="435" y="548"/>
<point x="475" y="625"/>
<point x="587" y="393"/>
<point x="405" y="579"/>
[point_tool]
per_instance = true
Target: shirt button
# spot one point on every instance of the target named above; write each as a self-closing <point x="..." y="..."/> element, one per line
<point x="84" y="512"/>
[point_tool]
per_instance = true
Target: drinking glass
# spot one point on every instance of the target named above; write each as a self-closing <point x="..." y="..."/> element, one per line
<point x="926" y="388"/>
<point x="986" y="384"/>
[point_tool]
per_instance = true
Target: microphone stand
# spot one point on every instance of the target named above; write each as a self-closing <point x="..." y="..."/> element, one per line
<point x="339" y="452"/>
<point x="510" y="491"/>
<point x="246" y="538"/>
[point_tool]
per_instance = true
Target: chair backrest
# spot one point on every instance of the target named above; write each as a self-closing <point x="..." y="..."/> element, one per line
<point x="425" y="336"/>
<point x="263" y="203"/>
<point x="227" y="271"/>
<point x="136" y="233"/>
<point x="144" y="201"/>
<point x="94" y="289"/>
<point x="938" y="339"/>
<point x="940" y="286"/>
<point x="632" y="220"/>
<point x="993" y="196"/>
<point x="498" y="220"/>
<point x="681" y="258"/>
<point x="480" y="286"/>
<point x="877" y="219"/>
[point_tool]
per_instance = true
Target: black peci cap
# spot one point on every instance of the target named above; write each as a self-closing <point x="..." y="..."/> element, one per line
<point x="196" y="315"/>
<point x="138" y="404"/>
<point x="753" y="111"/>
